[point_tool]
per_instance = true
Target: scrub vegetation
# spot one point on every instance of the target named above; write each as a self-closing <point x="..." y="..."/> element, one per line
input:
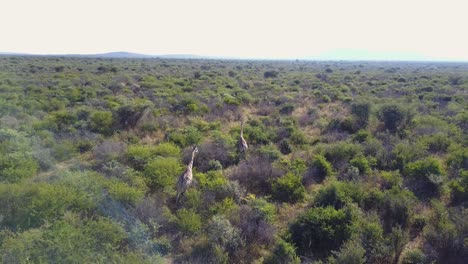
<point x="347" y="162"/>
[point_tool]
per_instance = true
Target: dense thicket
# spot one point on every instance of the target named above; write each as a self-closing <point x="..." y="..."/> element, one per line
<point x="348" y="162"/>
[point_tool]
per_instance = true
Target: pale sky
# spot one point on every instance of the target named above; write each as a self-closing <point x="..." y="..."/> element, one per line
<point x="237" y="28"/>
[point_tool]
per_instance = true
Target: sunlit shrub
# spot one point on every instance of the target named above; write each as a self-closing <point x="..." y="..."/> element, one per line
<point x="427" y="174"/>
<point x="188" y="221"/>
<point x="288" y="188"/>
<point x="162" y="172"/>
<point x="321" y="167"/>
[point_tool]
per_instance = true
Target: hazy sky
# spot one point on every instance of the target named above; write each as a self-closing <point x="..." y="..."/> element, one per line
<point x="238" y="28"/>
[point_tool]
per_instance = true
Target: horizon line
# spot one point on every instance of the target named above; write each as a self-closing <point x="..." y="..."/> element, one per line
<point x="188" y="56"/>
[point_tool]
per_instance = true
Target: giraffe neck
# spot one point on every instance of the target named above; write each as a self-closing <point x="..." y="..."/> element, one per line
<point x="190" y="165"/>
<point x="242" y="129"/>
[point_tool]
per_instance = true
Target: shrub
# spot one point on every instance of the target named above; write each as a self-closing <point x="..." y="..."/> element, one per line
<point x="64" y="150"/>
<point x="394" y="116"/>
<point x="188" y="221"/>
<point x="350" y="253"/>
<point x="186" y="137"/>
<point x="124" y="193"/>
<point x="109" y="150"/>
<point x="101" y="122"/>
<point x="458" y="159"/>
<point x="17" y="166"/>
<point x="361" y="111"/>
<point x="427" y="174"/>
<point x="437" y="142"/>
<point x="69" y="241"/>
<point x="320" y="230"/>
<point x="338" y="194"/>
<point x="284" y="253"/>
<point x="31" y="205"/>
<point x="285" y="147"/>
<point x="214" y="165"/>
<point x="459" y="188"/>
<point x="139" y="155"/>
<point x="390" y="179"/>
<point x="406" y="152"/>
<point x="222" y="233"/>
<point x="270" y="152"/>
<point x="270" y="74"/>
<point x="288" y="188"/>
<point x="397" y="208"/>
<point x="361" y="163"/>
<point x="361" y="136"/>
<point x="287" y="109"/>
<point x="340" y="153"/>
<point x="398" y="239"/>
<point x="322" y="167"/>
<point x="162" y="173"/>
<point x="414" y="256"/>
<point x="211" y="180"/>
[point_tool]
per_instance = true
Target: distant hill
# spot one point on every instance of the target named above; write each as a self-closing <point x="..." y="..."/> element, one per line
<point x="117" y="54"/>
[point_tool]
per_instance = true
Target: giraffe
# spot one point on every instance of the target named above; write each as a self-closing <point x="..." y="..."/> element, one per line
<point x="243" y="147"/>
<point x="185" y="179"/>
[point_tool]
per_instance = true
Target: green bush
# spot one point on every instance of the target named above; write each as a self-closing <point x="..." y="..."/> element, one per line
<point x="64" y="150"/>
<point x="284" y="253"/>
<point x="397" y="208"/>
<point x="338" y="194"/>
<point x="350" y="253"/>
<point x="361" y="163"/>
<point x="340" y="153"/>
<point x="139" y="155"/>
<point x="263" y="208"/>
<point x="320" y="230"/>
<point x="69" y="241"/>
<point x="361" y="112"/>
<point x="458" y="159"/>
<point x="288" y="188"/>
<point x="414" y="256"/>
<point x="285" y="147"/>
<point x="101" y="122"/>
<point x="186" y="137"/>
<point x="124" y="193"/>
<point x="459" y="188"/>
<point x="428" y="175"/>
<point x="211" y="180"/>
<point x="390" y="179"/>
<point x="222" y="233"/>
<point x="437" y="142"/>
<point x="394" y="116"/>
<point x="361" y="136"/>
<point x="166" y="149"/>
<point x="162" y="173"/>
<point x="17" y="166"/>
<point x="188" y="221"/>
<point x="271" y="152"/>
<point x="322" y="167"/>
<point x="31" y="205"/>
